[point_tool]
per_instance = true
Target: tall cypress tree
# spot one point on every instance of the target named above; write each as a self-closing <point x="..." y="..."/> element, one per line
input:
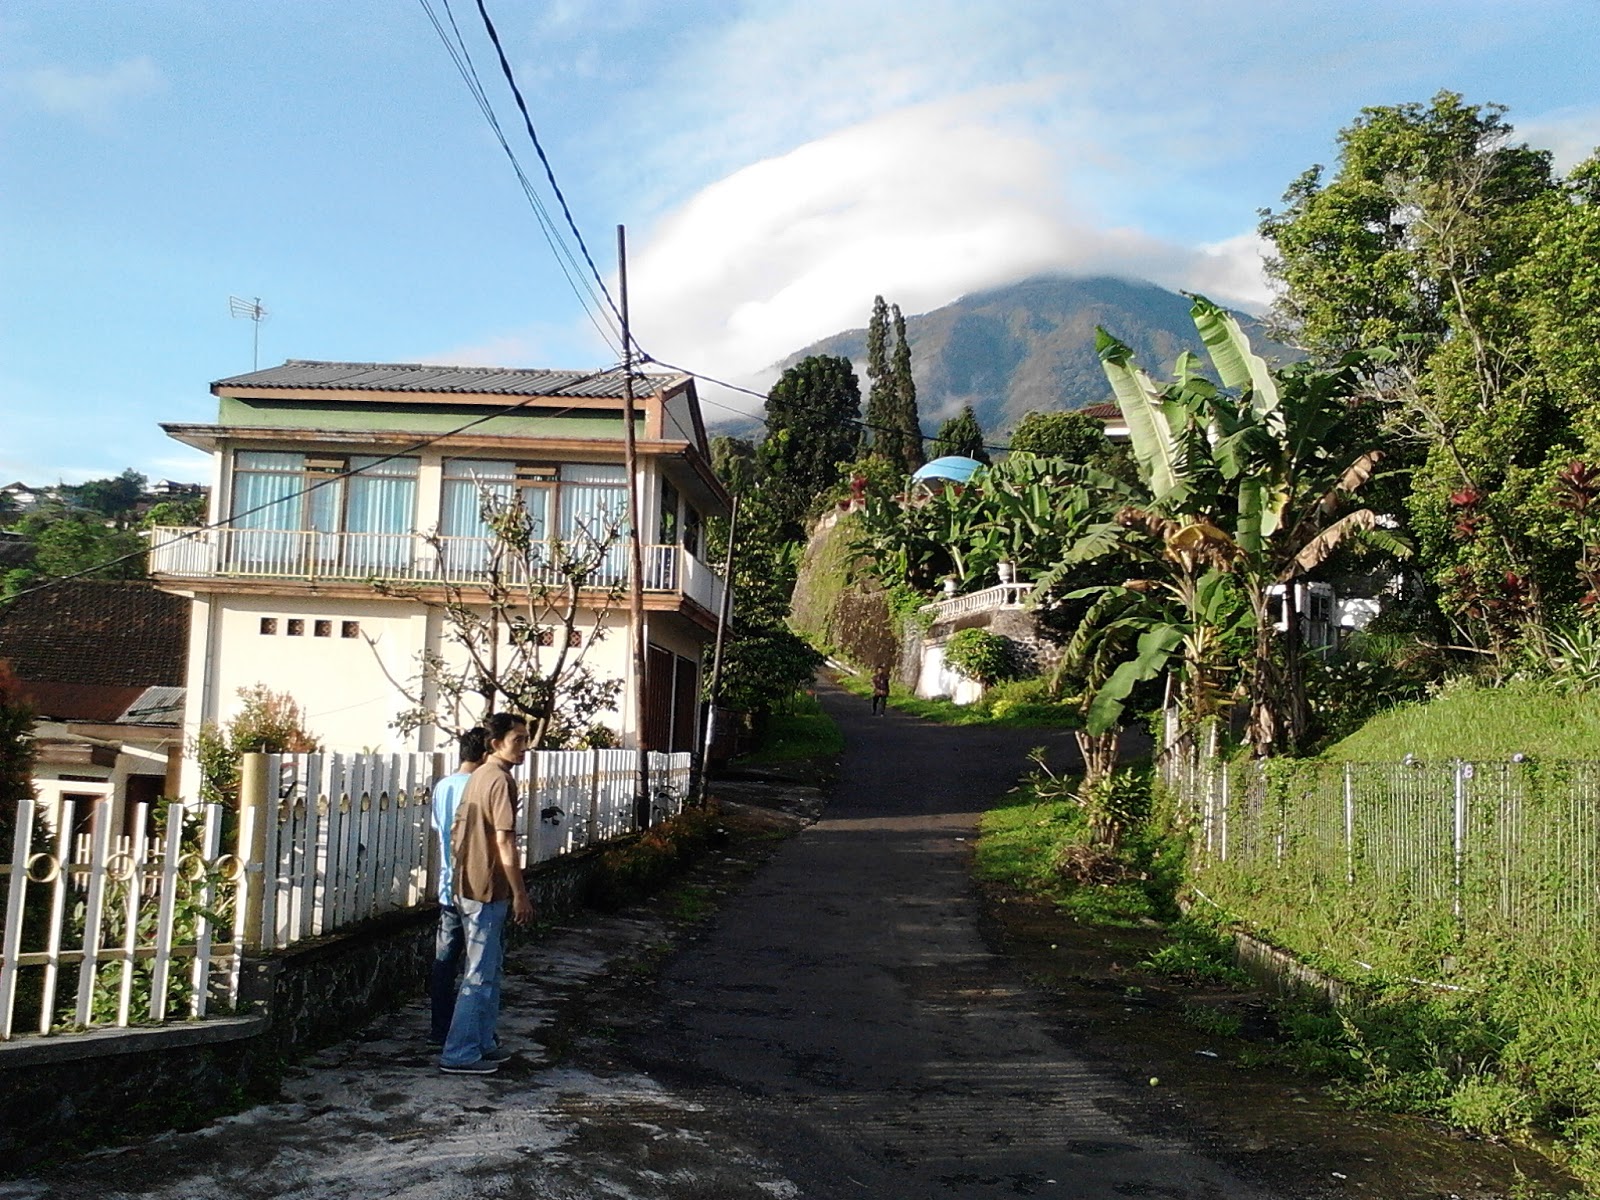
<point x="811" y="428"/>
<point x="882" y="428"/>
<point x="906" y="418"/>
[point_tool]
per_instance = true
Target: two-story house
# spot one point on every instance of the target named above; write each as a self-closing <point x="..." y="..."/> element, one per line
<point x="283" y="581"/>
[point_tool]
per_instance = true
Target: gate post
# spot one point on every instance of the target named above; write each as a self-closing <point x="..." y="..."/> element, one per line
<point x="253" y="817"/>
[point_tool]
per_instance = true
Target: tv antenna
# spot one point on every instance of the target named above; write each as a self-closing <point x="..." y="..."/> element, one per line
<point x="252" y="309"/>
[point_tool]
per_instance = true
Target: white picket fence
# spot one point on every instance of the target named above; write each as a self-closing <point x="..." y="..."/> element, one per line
<point x="153" y="924"/>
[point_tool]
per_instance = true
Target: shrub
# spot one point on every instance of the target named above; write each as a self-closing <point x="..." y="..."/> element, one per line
<point x="981" y="655"/>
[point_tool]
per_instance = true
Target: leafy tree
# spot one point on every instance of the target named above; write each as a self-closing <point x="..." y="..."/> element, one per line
<point x="113" y="498"/>
<point x="267" y="723"/>
<point x="893" y="423"/>
<point x="1442" y="238"/>
<point x="1073" y="436"/>
<point x="515" y="631"/>
<point x="812" y="416"/>
<point x="882" y="426"/>
<point x="180" y="513"/>
<point x="764" y="661"/>
<point x="962" y="435"/>
<point x="65" y="543"/>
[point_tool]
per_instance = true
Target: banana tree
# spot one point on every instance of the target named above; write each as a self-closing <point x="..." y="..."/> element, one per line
<point x="1266" y="466"/>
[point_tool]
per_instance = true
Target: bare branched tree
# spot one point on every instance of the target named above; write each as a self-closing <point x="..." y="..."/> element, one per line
<point x="511" y="605"/>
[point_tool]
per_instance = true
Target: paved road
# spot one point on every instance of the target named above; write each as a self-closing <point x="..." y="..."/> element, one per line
<point x="849" y="1019"/>
<point x="839" y="1029"/>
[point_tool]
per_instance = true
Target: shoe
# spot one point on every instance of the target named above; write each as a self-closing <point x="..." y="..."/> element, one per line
<point x="498" y="1055"/>
<point x="482" y="1067"/>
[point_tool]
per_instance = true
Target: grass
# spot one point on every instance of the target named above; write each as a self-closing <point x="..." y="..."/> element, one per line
<point x="804" y="732"/>
<point x="1026" y="841"/>
<point x="1480" y="723"/>
<point x="984" y="712"/>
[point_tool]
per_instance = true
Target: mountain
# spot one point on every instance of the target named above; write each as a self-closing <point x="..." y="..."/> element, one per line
<point x="1030" y="345"/>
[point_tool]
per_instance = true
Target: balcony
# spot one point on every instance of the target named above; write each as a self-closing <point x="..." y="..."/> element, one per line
<point x="307" y="555"/>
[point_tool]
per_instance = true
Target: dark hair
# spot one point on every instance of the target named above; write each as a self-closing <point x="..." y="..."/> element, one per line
<point x="501" y="723"/>
<point x="474" y="744"/>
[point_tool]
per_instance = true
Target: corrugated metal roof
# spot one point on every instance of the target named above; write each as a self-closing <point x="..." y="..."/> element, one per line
<point x="423" y="377"/>
<point x="155" y="706"/>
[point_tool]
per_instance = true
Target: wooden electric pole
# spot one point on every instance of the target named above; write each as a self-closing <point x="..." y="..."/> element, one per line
<point x="641" y="800"/>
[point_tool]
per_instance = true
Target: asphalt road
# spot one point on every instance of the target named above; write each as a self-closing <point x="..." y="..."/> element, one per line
<point x="847" y="1017"/>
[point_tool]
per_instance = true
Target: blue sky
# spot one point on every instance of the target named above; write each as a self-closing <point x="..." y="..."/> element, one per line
<point x="777" y="164"/>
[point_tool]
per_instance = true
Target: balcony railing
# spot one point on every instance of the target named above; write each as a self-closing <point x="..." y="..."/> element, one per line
<point x="1005" y="595"/>
<point x="229" y="553"/>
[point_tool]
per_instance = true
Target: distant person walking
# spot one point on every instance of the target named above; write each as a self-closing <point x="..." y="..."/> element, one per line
<point x="449" y="942"/>
<point x="880" y="690"/>
<point x="488" y="883"/>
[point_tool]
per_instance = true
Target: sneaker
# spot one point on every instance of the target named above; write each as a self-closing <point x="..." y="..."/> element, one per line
<point x="483" y="1066"/>
<point x="498" y="1055"/>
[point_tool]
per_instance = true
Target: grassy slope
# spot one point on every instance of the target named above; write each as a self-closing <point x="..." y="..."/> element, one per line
<point x="1480" y="723"/>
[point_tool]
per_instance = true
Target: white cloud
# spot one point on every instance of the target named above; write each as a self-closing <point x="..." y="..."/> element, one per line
<point x="921" y="206"/>
<point x="91" y="96"/>
<point x="1570" y="134"/>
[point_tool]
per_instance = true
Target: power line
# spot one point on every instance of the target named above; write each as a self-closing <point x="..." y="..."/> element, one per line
<point x="549" y="171"/>
<point x="510" y="77"/>
<point x="566" y="262"/>
<point x="295" y="495"/>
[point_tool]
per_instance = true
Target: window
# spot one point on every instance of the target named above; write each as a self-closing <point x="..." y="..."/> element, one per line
<point x="304" y="513"/>
<point x="668" y="535"/>
<point x="350" y="629"/>
<point x="297" y="627"/>
<point x="323" y="629"/>
<point x="578" y="502"/>
<point x="269" y="626"/>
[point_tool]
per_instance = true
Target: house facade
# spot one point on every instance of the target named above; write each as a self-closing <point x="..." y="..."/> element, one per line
<point x="101" y="663"/>
<point x="346" y="505"/>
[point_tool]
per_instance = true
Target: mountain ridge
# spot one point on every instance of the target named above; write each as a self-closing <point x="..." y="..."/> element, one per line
<point x="1028" y="346"/>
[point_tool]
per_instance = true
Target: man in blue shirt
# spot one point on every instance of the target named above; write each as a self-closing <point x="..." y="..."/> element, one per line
<point x="450" y="942"/>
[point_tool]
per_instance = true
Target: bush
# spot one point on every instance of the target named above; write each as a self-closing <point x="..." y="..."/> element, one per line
<point x="981" y="655"/>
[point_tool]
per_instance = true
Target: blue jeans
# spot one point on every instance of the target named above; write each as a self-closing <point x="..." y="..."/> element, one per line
<point x="448" y="945"/>
<point x="471" y="1033"/>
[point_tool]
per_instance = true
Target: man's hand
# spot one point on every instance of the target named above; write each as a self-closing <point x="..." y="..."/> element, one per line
<point x="521" y="908"/>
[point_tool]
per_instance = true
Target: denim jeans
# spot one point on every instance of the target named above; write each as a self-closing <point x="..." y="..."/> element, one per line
<point x="448" y="945"/>
<point x="471" y="1033"/>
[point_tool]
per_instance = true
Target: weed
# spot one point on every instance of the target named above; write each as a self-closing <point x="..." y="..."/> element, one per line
<point x="1210" y="1020"/>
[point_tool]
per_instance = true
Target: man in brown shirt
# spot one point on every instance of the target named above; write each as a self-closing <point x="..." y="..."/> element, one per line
<point x="487" y="877"/>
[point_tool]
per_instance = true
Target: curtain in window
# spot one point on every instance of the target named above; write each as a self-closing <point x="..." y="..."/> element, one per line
<point x="466" y="547"/>
<point x="594" y="506"/>
<point x="266" y="512"/>
<point x="264" y="483"/>
<point x="383" y="502"/>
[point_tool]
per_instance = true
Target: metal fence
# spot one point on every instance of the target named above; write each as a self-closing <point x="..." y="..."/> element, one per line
<point x="1480" y="852"/>
<point x="152" y="924"/>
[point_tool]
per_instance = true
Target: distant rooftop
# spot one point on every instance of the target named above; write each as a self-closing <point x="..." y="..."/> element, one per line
<point x="306" y="375"/>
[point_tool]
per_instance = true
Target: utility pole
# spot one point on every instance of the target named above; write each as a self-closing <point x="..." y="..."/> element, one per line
<point x="641" y="800"/>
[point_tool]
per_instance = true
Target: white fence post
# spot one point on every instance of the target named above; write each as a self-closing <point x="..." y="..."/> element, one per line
<point x="254" y="815"/>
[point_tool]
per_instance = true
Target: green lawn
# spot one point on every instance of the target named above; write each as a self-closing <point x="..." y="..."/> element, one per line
<point x="804" y="732"/>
